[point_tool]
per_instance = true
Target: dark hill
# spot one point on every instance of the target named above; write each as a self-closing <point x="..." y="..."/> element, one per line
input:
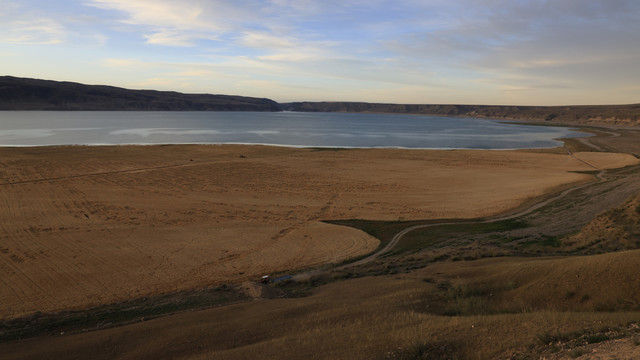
<point x="33" y="94"/>
<point x="625" y="115"/>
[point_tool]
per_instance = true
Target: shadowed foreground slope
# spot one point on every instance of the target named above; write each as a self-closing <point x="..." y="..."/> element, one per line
<point x="505" y="306"/>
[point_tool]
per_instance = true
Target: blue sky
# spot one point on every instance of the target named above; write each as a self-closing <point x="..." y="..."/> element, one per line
<point x="556" y="52"/>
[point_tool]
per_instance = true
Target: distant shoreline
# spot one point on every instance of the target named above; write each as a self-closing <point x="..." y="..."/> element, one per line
<point x="596" y="115"/>
<point x="25" y="94"/>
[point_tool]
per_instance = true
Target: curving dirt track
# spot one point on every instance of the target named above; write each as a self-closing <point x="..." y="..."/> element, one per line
<point x="82" y="226"/>
<point x="600" y="161"/>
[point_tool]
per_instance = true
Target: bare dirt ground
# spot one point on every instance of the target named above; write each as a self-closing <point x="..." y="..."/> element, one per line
<point x="620" y="349"/>
<point x="84" y="226"/>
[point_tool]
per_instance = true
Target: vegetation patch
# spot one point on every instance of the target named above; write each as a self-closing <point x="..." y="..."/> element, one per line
<point x="575" y="145"/>
<point x="435" y="236"/>
<point x="118" y="314"/>
<point x="466" y="299"/>
<point x="302" y="288"/>
<point x="382" y="230"/>
<point x="424" y="350"/>
<point x="543" y="241"/>
<point x="616" y="229"/>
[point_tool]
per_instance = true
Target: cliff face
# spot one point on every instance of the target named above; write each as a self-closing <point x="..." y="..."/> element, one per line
<point x="33" y="94"/>
<point x="621" y="115"/>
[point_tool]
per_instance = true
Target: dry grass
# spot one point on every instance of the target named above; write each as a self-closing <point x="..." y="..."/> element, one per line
<point x="616" y="229"/>
<point x="85" y="226"/>
<point x="391" y="316"/>
<point x="587" y="283"/>
<point x="485" y="309"/>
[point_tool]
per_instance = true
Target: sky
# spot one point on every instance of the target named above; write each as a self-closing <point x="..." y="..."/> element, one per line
<point x="502" y="52"/>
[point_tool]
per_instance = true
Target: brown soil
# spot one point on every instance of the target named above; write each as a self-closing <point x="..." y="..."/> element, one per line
<point x="619" y="349"/>
<point x="85" y="226"/>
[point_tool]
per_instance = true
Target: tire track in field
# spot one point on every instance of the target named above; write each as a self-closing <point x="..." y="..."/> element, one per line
<point x="76" y="273"/>
<point x="46" y="273"/>
<point x="102" y="173"/>
<point x="80" y="201"/>
<point x="12" y="268"/>
<point x="256" y="250"/>
<point x="120" y="260"/>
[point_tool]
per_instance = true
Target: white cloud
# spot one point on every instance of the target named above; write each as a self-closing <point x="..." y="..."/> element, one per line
<point x="157" y="13"/>
<point x="253" y="24"/>
<point x="32" y="31"/>
<point x="264" y="39"/>
<point x="173" y="38"/>
<point x="166" y="22"/>
<point x="514" y="50"/>
<point x="290" y="56"/>
<point x="26" y="23"/>
<point x="529" y="48"/>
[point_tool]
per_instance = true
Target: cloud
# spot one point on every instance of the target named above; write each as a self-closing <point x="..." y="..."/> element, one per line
<point x="34" y="32"/>
<point x="479" y="28"/>
<point x="174" y="38"/>
<point x="518" y="50"/>
<point x="527" y="46"/>
<point x="253" y="24"/>
<point x="30" y="23"/>
<point x="31" y="30"/>
<point x="290" y="57"/>
<point x="262" y="39"/>
<point x="156" y="13"/>
<point x="166" y="22"/>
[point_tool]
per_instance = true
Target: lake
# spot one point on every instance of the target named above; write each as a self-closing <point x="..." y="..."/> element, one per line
<point x="296" y="129"/>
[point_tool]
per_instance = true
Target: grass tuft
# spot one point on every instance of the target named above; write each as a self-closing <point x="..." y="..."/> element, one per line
<point x="576" y="353"/>
<point x="597" y="338"/>
<point x="429" y="351"/>
<point x="549" y="338"/>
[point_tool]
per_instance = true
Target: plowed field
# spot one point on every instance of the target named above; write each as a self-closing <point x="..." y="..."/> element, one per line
<point x="82" y="226"/>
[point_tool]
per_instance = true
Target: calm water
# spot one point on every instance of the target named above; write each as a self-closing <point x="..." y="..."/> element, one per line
<point x="35" y="128"/>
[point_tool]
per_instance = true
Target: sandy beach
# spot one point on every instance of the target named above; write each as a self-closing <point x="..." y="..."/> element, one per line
<point x="83" y="226"/>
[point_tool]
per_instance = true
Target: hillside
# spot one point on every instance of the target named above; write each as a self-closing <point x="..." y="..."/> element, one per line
<point x="34" y="94"/>
<point x="620" y="115"/>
